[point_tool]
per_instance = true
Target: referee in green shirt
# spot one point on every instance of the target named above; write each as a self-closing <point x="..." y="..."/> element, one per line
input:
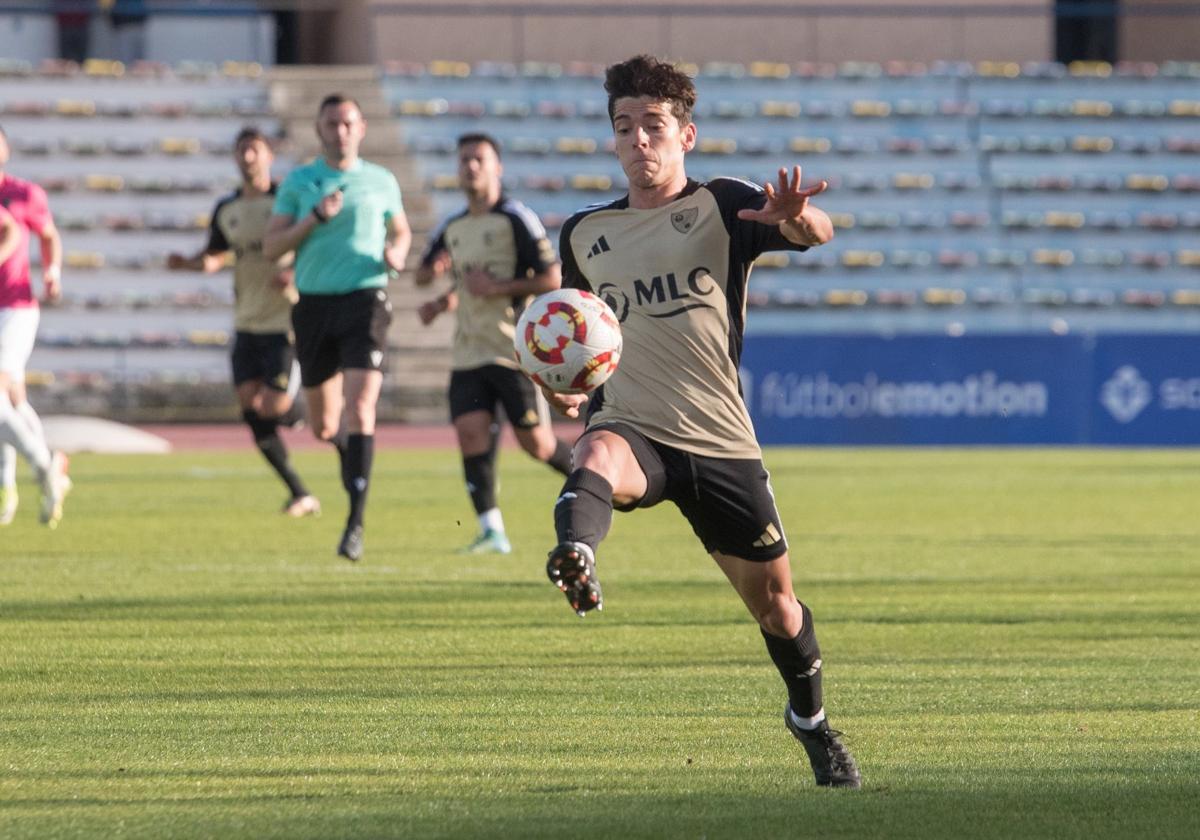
<point x="343" y="217"/>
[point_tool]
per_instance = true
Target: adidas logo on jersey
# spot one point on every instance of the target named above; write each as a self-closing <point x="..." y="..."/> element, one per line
<point x="600" y="247"/>
<point x="769" y="536"/>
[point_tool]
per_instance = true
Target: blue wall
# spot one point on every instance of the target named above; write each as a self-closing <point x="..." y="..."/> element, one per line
<point x="1103" y="389"/>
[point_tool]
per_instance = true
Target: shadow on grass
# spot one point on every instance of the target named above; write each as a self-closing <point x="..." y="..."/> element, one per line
<point x="922" y="805"/>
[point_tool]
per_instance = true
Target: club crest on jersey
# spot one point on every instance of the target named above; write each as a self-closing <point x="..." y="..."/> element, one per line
<point x="683" y="220"/>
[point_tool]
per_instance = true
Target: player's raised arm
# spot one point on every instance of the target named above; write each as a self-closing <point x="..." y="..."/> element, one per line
<point x="788" y="207"/>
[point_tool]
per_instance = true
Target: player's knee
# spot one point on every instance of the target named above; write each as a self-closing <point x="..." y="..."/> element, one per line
<point x="535" y="445"/>
<point x="323" y="429"/>
<point x="597" y="457"/>
<point x="361" y="411"/>
<point x="275" y="405"/>
<point x="779" y="614"/>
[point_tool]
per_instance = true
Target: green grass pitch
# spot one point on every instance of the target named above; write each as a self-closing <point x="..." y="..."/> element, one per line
<point x="1012" y="645"/>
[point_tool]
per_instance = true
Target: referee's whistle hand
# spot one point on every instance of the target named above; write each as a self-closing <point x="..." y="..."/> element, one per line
<point x="330" y="205"/>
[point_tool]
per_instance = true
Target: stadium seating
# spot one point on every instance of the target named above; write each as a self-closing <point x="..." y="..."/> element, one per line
<point x="133" y="160"/>
<point x="992" y="192"/>
<point x="981" y="198"/>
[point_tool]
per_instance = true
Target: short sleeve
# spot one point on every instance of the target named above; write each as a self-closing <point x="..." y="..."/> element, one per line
<point x="393" y="206"/>
<point x="534" y="252"/>
<point x="287" y="201"/>
<point x="37" y="214"/>
<point x="437" y="243"/>
<point x="748" y="239"/>
<point x="572" y="277"/>
<point x="217" y="243"/>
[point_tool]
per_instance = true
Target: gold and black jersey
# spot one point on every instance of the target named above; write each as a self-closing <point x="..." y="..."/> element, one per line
<point x="508" y="241"/>
<point x="676" y="277"/>
<point x="238" y="224"/>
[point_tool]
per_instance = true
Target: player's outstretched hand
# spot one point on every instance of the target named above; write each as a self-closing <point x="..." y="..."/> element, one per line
<point x="786" y="203"/>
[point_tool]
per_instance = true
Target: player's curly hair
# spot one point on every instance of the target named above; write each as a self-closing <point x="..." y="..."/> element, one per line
<point x="645" y="75"/>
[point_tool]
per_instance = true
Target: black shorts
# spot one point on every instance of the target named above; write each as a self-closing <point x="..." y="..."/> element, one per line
<point x="263" y="356"/>
<point x="727" y="501"/>
<point x="336" y="332"/>
<point x="481" y="388"/>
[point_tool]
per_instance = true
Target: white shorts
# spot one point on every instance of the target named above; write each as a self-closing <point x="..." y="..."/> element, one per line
<point x="18" y="329"/>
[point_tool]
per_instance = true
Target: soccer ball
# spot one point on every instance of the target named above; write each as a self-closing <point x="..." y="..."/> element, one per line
<point x="568" y="341"/>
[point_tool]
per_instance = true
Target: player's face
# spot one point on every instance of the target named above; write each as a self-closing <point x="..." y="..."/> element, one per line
<point x="253" y="158"/>
<point x="650" y="141"/>
<point x="341" y="129"/>
<point x="4" y="153"/>
<point x="478" y="168"/>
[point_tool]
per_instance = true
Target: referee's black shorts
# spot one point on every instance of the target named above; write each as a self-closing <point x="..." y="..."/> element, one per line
<point x="336" y="332"/>
<point x="482" y="388"/>
<point x="727" y="501"/>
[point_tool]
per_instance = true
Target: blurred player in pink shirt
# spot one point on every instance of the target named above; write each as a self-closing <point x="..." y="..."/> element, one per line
<point x="25" y="211"/>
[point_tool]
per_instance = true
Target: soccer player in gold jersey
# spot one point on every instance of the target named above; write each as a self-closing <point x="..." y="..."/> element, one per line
<point x="497" y="255"/>
<point x="673" y="258"/>
<point x="263" y="355"/>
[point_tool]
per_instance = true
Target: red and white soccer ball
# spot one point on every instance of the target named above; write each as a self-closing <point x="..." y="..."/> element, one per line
<point x="568" y="341"/>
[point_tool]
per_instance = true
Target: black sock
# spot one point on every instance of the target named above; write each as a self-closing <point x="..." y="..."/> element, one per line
<point x="583" y="512"/>
<point x="340" y="442"/>
<point x="480" y="474"/>
<point x="561" y="459"/>
<point x="799" y="663"/>
<point x="272" y="447"/>
<point x="360" y="452"/>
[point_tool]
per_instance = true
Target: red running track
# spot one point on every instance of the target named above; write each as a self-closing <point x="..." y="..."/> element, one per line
<point x="190" y="436"/>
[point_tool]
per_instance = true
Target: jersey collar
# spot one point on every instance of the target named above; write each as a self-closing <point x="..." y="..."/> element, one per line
<point x="690" y="187"/>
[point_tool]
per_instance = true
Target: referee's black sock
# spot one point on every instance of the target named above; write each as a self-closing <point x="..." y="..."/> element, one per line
<point x="272" y="447"/>
<point x="480" y="474"/>
<point x="339" y="442"/>
<point x="799" y="663"/>
<point x="561" y="459"/>
<point x="583" y="512"/>
<point x="360" y="453"/>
